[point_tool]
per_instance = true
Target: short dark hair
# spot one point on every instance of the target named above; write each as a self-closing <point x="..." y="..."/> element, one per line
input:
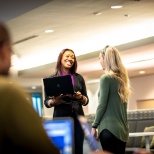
<point x="58" y="65"/>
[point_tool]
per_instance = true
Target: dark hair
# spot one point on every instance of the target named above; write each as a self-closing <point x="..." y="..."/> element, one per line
<point x="58" y="65"/>
<point x="4" y="34"/>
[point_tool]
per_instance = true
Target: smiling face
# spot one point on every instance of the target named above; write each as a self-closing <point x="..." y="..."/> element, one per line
<point x="67" y="60"/>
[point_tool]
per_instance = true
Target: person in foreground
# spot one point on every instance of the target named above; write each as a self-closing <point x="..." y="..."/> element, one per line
<point x="70" y="105"/>
<point x="21" y="130"/>
<point x="111" y="113"/>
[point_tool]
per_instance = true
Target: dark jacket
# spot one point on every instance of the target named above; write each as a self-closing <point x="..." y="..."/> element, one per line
<point x="67" y="105"/>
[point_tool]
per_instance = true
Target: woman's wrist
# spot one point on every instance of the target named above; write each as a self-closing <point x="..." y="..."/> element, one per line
<point x="84" y="100"/>
<point x="95" y="127"/>
<point x="51" y="102"/>
<point x="81" y="98"/>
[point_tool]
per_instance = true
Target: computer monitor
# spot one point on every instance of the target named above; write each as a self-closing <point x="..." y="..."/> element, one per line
<point x="61" y="133"/>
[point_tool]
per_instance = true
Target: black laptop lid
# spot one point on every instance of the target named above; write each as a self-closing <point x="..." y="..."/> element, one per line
<point x="58" y="85"/>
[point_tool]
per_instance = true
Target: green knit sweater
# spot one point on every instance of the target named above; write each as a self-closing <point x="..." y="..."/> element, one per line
<point x="111" y="114"/>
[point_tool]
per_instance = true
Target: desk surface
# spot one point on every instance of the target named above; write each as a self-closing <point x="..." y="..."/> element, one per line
<point x="137" y="134"/>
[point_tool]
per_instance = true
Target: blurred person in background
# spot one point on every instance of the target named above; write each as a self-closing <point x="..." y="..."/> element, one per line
<point x="111" y="113"/>
<point x="67" y="105"/>
<point x="21" y="130"/>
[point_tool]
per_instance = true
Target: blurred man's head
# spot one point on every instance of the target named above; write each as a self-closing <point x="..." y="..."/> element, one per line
<point x="5" y="50"/>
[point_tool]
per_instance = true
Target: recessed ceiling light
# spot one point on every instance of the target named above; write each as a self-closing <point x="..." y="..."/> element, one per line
<point x="116" y="7"/>
<point x="33" y="87"/>
<point x="141" y="72"/>
<point x="49" y="31"/>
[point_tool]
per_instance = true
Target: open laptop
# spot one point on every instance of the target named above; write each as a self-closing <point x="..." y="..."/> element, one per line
<point x="61" y="133"/>
<point x="92" y="142"/>
<point x="58" y="85"/>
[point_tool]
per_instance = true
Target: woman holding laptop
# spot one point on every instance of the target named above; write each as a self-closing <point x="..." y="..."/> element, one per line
<point x="67" y="105"/>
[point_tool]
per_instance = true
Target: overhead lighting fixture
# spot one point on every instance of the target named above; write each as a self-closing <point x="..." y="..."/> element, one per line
<point x="25" y="39"/>
<point x="141" y="72"/>
<point x="49" y="31"/>
<point x="33" y="87"/>
<point x="116" y="7"/>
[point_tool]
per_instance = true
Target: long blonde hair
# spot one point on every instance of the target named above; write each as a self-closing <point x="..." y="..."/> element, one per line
<point x="115" y="68"/>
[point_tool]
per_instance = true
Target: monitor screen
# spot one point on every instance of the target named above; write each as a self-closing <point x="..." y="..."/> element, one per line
<point x="60" y="131"/>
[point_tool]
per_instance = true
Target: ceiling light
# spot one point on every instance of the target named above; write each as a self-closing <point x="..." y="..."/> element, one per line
<point x="33" y="87"/>
<point x="116" y="7"/>
<point x="141" y="72"/>
<point x="49" y="31"/>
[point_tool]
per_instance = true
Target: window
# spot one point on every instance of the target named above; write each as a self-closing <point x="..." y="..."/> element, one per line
<point x="37" y="103"/>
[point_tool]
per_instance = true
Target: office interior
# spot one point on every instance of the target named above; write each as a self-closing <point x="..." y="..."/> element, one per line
<point x="41" y="29"/>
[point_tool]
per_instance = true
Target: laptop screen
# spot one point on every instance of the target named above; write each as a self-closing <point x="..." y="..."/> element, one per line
<point x="93" y="144"/>
<point x="60" y="131"/>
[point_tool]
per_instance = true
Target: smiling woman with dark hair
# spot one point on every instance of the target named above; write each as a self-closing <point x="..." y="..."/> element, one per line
<point x="68" y="105"/>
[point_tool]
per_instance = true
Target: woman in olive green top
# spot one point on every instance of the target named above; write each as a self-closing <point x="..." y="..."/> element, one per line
<point x="111" y="113"/>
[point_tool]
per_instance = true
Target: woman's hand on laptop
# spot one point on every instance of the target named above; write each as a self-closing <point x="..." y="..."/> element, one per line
<point x="78" y="95"/>
<point x="54" y="100"/>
